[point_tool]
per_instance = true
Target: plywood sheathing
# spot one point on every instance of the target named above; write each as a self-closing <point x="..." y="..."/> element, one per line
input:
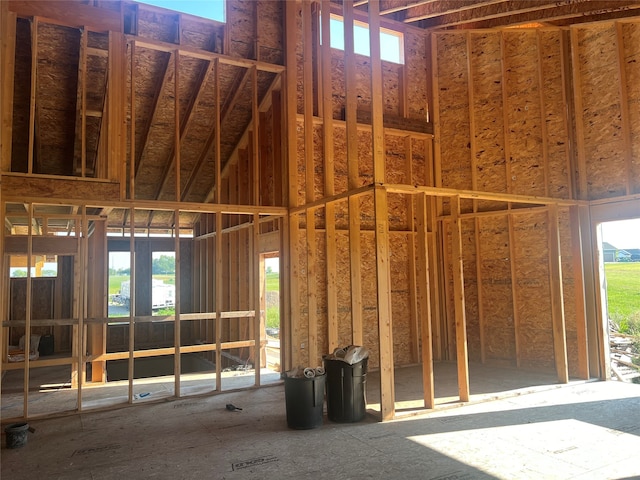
<point x="453" y="98"/>
<point x="598" y="85"/>
<point x="56" y="90"/>
<point x="242" y="24"/>
<point x="522" y="106"/>
<point x="21" y="95"/>
<point x="416" y="72"/>
<point x="270" y="32"/>
<point x="533" y="297"/>
<point x="515" y="76"/>
<point x="630" y="37"/>
<point x="497" y="301"/>
<point x="554" y="103"/>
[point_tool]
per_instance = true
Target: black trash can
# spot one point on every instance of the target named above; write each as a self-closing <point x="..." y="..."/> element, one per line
<point x="346" y="386"/>
<point x="304" y="398"/>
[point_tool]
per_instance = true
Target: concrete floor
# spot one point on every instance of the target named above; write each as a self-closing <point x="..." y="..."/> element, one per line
<point x="584" y="430"/>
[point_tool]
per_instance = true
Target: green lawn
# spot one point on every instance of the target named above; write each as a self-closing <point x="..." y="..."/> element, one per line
<point x="273" y="281"/>
<point x="114" y="283"/>
<point x="623" y="294"/>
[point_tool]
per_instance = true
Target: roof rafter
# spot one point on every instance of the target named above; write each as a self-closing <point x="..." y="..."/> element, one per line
<point x="204" y="73"/>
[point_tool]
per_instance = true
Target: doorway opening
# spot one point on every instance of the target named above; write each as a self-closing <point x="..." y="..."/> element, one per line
<point x="271" y="308"/>
<point x="621" y="266"/>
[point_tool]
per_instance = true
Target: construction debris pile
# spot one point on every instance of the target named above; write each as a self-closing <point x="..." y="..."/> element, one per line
<point x="625" y="357"/>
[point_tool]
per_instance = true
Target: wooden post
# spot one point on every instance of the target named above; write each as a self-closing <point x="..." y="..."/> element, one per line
<point x="514" y="288"/>
<point x="578" y="286"/>
<point x="291" y="259"/>
<point x="381" y="214"/>
<point x="259" y="282"/>
<point x="557" y="305"/>
<point x="96" y="306"/>
<point x="329" y="189"/>
<point x="312" y="293"/>
<point x="176" y="131"/>
<point x="177" y="327"/>
<point x="132" y="299"/>
<point x="481" y="322"/>
<point x="351" y="105"/>
<point x="458" y="300"/>
<point x="219" y="288"/>
<point x="27" y="315"/>
<point x="132" y="128"/>
<point x="422" y="278"/>
<point x="414" y="327"/>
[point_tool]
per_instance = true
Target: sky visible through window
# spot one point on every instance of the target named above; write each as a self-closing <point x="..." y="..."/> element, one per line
<point x="390" y="44"/>
<point x="622" y="234"/>
<point x="211" y="9"/>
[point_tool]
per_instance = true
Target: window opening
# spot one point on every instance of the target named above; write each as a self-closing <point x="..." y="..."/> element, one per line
<point x="41" y="266"/>
<point x="391" y="42"/>
<point x="163" y="283"/>
<point x="211" y="9"/>
<point x="621" y="259"/>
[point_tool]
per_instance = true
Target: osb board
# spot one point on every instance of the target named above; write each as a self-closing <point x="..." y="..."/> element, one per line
<point x="154" y="154"/>
<point x="523" y="113"/>
<point x="343" y="288"/>
<point x="421" y="157"/>
<point x="453" y="100"/>
<point x="321" y="297"/>
<point x="631" y="42"/>
<point x="300" y="318"/>
<point x="369" y="299"/>
<point x="391" y="78"/>
<point x="340" y="175"/>
<point x="56" y="97"/>
<point x="190" y="72"/>
<point x="415" y="67"/>
<point x="599" y="87"/>
<point x="21" y="98"/>
<point x="396" y="171"/>
<point x="568" y="289"/>
<point x="200" y="34"/>
<point x="487" y="83"/>
<point x="241" y="23"/>
<point x="400" y="297"/>
<point x="495" y="275"/>
<point x="317" y="188"/>
<point x="271" y="31"/>
<point x="532" y="289"/>
<point x="469" y="259"/>
<point x="554" y="100"/>
<point x="158" y="25"/>
<point x="533" y="103"/>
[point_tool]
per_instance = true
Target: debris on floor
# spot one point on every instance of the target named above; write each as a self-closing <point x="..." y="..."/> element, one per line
<point x="625" y="357"/>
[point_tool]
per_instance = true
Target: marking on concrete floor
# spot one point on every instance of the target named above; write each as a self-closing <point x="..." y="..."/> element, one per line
<point x="89" y="451"/>
<point x="182" y="405"/>
<point x="254" y="462"/>
<point x="454" y="476"/>
<point x="562" y="450"/>
<point x="233" y="426"/>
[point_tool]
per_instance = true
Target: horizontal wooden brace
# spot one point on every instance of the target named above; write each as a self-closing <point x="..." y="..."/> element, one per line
<point x="203" y="54"/>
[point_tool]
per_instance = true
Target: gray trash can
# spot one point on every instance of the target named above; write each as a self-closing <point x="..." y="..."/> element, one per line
<point x="304" y="398"/>
<point x="346" y="386"/>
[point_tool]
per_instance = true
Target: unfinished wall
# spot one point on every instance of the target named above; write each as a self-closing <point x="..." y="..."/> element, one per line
<point x="331" y="307"/>
<point x="503" y="125"/>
